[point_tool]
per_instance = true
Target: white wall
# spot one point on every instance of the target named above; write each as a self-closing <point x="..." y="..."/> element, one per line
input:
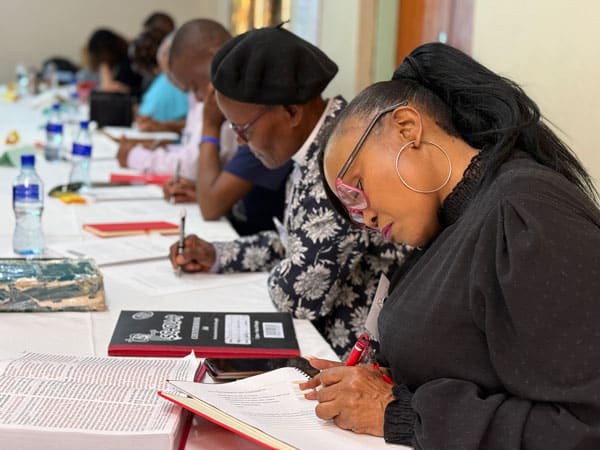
<point x="339" y="40"/>
<point x="33" y="30"/>
<point x="552" y="48"/>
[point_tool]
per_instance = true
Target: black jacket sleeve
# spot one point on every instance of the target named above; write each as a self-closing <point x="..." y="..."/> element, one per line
<point x="535" y="294"/>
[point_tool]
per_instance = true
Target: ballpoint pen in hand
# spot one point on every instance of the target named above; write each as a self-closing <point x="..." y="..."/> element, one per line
<point x="359" y="351"/>
<point x="177" y="173"/>
<point x="181" y="244"/>
<point x="175" y="180"/>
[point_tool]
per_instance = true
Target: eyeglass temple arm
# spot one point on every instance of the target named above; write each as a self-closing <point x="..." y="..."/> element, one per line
<point x="365" y="135"/>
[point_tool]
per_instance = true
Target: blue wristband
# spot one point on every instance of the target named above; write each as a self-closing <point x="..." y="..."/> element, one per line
<point x="210" y="139"/>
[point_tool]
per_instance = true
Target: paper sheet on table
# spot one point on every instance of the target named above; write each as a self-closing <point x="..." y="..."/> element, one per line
<point x="135" y="192"/>
<point x="159" y="279"/>
<point x="103" y="147"/>
<point x="116" y="250"/>
<point x="133" y="133"/>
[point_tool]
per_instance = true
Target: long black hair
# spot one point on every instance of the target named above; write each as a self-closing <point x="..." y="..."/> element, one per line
<point x="106" y="46"/>
<point x="489" y="112"/>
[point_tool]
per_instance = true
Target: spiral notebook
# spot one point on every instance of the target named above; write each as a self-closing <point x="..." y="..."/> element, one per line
<point x="269" y="410"/>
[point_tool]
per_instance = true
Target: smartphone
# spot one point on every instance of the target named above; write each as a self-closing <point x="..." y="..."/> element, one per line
<point x="235" y="368"/>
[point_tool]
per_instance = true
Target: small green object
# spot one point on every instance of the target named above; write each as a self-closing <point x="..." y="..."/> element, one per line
<point x="12" y="157"/>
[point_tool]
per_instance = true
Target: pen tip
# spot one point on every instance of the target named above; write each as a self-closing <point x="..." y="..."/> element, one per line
<point x="182" y="213"/>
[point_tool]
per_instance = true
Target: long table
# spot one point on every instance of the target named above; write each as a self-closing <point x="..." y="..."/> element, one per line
<point x="83" y="333"/>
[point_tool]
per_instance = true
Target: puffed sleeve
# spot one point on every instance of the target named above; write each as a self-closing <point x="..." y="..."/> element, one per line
<point x="535" y="295"/>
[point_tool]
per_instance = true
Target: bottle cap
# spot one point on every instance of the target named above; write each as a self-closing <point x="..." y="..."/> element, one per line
<point x="27" y="160"/>
<point x="56" y="106"/>
<point x="84" y="124"/>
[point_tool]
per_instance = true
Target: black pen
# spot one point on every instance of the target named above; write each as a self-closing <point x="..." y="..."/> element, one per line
<point x="177" y="173"/>
<point x="176" y="179"/>
<point x="181" y="244"/>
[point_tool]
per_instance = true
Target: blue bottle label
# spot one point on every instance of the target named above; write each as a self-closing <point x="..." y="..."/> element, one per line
<point x="82" y="150"/>
<point x="54" y="128"/>
<point x="22" y="192"/>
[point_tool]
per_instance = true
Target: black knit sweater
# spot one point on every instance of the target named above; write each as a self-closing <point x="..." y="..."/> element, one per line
<point x="493" y="332"/>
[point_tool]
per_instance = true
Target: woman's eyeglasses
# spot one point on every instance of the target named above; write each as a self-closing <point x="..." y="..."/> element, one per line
<point x="242" y="130"/>
<point x="354" y="198"/>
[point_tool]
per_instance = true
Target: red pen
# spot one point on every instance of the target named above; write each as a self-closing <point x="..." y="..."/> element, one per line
<point x="360" y="350"/>
<point x="387" y="379"/>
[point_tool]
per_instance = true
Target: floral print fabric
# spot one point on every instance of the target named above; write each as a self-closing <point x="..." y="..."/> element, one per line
<point x="322" y="268"/>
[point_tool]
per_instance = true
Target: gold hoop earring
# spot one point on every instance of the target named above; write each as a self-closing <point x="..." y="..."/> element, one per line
<point x="421" y="191"/>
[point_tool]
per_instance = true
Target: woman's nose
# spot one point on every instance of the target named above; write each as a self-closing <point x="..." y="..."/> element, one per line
<point x="370" y="217"/>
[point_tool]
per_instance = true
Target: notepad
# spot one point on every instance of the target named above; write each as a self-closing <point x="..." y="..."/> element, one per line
<point x="208" y="334"/>
<point x="141" y="178"/>
<point x="131" y="228"/>
<point x="269" y="410"/>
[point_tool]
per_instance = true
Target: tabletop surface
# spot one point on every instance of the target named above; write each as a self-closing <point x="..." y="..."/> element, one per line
<point x="149" y="285"/>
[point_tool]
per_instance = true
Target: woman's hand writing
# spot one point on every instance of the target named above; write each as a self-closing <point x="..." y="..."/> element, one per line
<point x="355" y="397"/>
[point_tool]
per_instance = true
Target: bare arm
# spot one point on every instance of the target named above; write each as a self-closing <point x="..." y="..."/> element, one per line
<point x="107" y="83"/>
<point x="216" y="191"/>
<point x="146" y="123"/>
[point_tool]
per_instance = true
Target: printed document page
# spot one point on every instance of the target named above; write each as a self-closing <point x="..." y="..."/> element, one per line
<point x="272" y="403"/>
<point x="134" y="133"/>
<point x="85" y="400"/>
<point x="133" y="192"/>
<point x="116" y="250"/>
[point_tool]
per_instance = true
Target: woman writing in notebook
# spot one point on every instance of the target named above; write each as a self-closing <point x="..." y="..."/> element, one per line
<point x="491" y="329"/>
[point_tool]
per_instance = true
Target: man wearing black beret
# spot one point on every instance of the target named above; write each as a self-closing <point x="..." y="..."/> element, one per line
<point x="268" y="84"/>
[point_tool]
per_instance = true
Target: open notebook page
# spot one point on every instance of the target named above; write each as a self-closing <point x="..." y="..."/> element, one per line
<point x="272" y="403"/>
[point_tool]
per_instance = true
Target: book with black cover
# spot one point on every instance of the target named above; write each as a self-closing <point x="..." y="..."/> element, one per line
<point x="208" y="334"/>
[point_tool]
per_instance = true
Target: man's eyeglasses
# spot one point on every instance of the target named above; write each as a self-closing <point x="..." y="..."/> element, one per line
<point x="242" y="130"/>
<point x="354" y="198"/>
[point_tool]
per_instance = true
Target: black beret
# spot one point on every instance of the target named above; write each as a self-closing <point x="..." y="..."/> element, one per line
<point x="271" y="66"/>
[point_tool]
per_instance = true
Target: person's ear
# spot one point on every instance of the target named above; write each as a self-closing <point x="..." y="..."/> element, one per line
<point x="294" y="114"/>
<point x="408" y="124"/>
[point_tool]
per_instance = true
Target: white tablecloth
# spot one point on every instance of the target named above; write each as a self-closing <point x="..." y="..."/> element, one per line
<point x="89" y="333"/>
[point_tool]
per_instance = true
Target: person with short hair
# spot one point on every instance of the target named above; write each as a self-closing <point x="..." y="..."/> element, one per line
<point x="242" y="188"/>
<point x="228" y="181"/>
<point x="166" y="158"/>
<point x="160" y="21"/>
<point x="490" y="331"/>
<point x="269" y="85"/>
<point x="163" y="106"/>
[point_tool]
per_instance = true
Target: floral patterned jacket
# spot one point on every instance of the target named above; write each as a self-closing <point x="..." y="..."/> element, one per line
<point x="321" y="268"/>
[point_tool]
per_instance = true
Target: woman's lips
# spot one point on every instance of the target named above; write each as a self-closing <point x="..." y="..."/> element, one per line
<point x="386" y="230"/>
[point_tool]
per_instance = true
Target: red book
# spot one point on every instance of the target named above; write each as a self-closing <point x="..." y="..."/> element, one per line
<point x="208" y="334"/>
<point x="130" y="228"/>
<point x="145" y="178"/>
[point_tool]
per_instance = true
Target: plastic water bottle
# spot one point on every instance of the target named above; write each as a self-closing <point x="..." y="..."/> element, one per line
<point x="22" y="80"/>
<point x="80" y="157"/>
<point x="28" y="204"/>
<point x="73" y="114"/>
<point x="54" y="135"/>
